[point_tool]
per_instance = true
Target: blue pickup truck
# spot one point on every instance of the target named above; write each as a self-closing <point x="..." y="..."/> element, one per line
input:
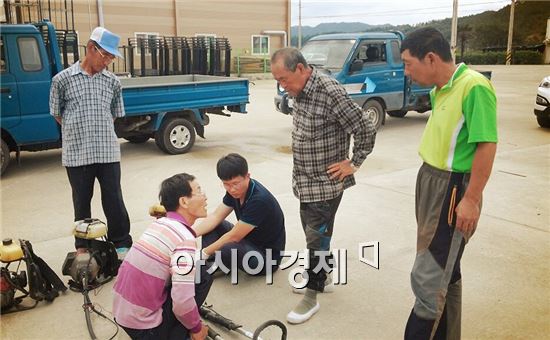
<point x="170" y="109"/>
<point x="369" y="66"/>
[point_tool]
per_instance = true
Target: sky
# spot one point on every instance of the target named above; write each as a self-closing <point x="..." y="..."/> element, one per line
<point x="395" y="12"/>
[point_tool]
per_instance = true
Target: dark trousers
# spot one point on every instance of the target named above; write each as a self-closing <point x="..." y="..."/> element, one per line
<point x="318" y="222"/>
<point x="242" y="248"/>
<point x="82" y="180"/>
<point x="171" y="328"/>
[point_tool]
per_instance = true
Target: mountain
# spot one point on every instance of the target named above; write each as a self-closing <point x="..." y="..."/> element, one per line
<point x="340" y="27"/>
<point x="487" y="29"/>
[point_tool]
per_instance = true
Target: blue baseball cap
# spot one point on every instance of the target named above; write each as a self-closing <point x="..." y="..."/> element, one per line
<point x="107" y="40"/>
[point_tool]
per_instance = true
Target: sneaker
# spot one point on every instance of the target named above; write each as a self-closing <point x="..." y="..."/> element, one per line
<point x="329" y="287"/>
<point x="121" y="253"/>
<point x="295" y="318"/>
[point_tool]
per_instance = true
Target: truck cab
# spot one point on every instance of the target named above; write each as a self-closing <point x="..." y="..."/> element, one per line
<point x="370" y="68"/>
<point x="25" y="77"/>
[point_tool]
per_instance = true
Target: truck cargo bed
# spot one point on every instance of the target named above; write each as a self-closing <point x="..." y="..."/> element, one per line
<point x="181" y="92"/>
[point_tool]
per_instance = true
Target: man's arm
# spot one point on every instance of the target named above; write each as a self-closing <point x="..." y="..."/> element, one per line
<point x="56" y="101"/>
<point x="468" y="210"/>
<point x="237" y="233"/>
<point x="117" y="105"/>
<point x="354" y="122"/>
<point x="182" y="292"/>
<point x="212" y="220"/>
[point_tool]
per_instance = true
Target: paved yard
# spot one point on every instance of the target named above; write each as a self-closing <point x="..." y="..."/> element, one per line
<point x="506" y="271"/>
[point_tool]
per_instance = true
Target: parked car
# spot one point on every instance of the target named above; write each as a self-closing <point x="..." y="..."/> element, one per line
<point x="542" y="103"/>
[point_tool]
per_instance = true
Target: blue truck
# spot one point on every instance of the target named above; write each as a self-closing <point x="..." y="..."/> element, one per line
<point x="170" y="109"/>
<point x="370" y="68"/>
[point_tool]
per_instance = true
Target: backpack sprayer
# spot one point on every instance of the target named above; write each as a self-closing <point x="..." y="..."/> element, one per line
<point x="93" y="268"/>
<point x="43" y="283"/>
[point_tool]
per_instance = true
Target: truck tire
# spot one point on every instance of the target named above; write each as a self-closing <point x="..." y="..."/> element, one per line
<point x="175" y="136"/>
<point x="374" y="110"/>
<point x="544" y="122"/>
<point x="398" y="113"/>
<point x="137" y="139"/>
<point x="5" y="157"/>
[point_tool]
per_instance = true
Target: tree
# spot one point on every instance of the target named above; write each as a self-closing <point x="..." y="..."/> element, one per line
<point x="464" y="33"/>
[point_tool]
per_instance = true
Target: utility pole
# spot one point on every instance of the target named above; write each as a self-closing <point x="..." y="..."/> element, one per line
<point x="299" y="23"/>
<point x="454" y="29"/>
<point x="510" y="34"/>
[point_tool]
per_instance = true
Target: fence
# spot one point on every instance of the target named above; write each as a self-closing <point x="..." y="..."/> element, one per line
<point x="247" y="64"/>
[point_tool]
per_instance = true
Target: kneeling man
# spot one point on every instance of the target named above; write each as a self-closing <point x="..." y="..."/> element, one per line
<point x="260" y="227"/>
<point x="155" y="294"/>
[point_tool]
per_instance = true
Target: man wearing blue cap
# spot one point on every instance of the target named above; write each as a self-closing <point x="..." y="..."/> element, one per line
<point x="85" y="99"/>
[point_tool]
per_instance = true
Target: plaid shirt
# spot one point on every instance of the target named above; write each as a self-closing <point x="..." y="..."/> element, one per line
<point x="325" y="118"/>
<point x="87" y="106"/>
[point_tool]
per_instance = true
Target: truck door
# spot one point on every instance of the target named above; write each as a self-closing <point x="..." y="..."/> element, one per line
<point x="10" y="99"/>
<point x="33" y="77"/>
<point x="396" y="66"/>
<point x="378" y="73"/>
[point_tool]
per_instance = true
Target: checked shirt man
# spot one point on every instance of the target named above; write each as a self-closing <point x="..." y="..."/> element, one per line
<point x="85" y="99"/>
<point x="324" y="118"/>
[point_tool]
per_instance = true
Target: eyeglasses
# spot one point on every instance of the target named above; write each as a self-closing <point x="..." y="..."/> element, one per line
<point x="234" y="184"/>
<point x="106" y="57"/>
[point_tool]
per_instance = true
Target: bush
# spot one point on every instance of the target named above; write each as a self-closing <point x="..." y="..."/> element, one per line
<point x="499" y="58"/>
<point x="527" y="58"/>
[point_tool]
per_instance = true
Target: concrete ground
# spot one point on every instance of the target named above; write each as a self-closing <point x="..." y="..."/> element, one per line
<point x="506" y="272"/>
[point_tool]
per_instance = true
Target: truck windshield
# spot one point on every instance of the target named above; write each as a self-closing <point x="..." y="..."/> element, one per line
<point x="329" y="54"/>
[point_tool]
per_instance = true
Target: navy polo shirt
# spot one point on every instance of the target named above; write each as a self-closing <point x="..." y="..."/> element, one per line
<point x="262" y="211"/>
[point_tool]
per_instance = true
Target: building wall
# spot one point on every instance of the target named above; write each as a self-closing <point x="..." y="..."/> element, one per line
<point x="236" y="20"/>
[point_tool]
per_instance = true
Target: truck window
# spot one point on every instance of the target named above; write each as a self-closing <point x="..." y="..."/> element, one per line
<point x="329" y="54"/>
<point x="3" y="66"/>
<point x="395" y="51"/>
<point x="372" y="51"/>
<point x="29" y="54"/>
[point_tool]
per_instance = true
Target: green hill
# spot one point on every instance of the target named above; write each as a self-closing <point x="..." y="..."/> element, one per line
<point x="487" y="29"/>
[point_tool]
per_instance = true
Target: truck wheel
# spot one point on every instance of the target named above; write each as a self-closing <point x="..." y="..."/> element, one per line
<point x="398" y="113"/>
<point x="374" y="110"/>
<point x="175" y="136"/>
<point x="137" y="139"/>
<point x="543" y="122"/>
<point x="5" y="157"/>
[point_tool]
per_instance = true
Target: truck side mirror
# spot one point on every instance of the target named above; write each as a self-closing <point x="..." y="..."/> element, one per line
<point x="356" y="65"/>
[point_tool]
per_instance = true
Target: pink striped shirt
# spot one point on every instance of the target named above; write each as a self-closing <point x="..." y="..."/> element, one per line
<point x="162" y="256"/>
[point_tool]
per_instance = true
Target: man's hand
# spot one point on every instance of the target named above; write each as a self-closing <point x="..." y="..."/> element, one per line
<point x="468" y="211"/>
<point x="204" y="255"/>
<point x="467" y="216"/>
<point x="341" y="169"/>
<point x="200" y="335"/>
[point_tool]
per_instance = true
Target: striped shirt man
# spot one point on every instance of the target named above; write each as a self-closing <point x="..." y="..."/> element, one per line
<point x="160" y="259"/>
